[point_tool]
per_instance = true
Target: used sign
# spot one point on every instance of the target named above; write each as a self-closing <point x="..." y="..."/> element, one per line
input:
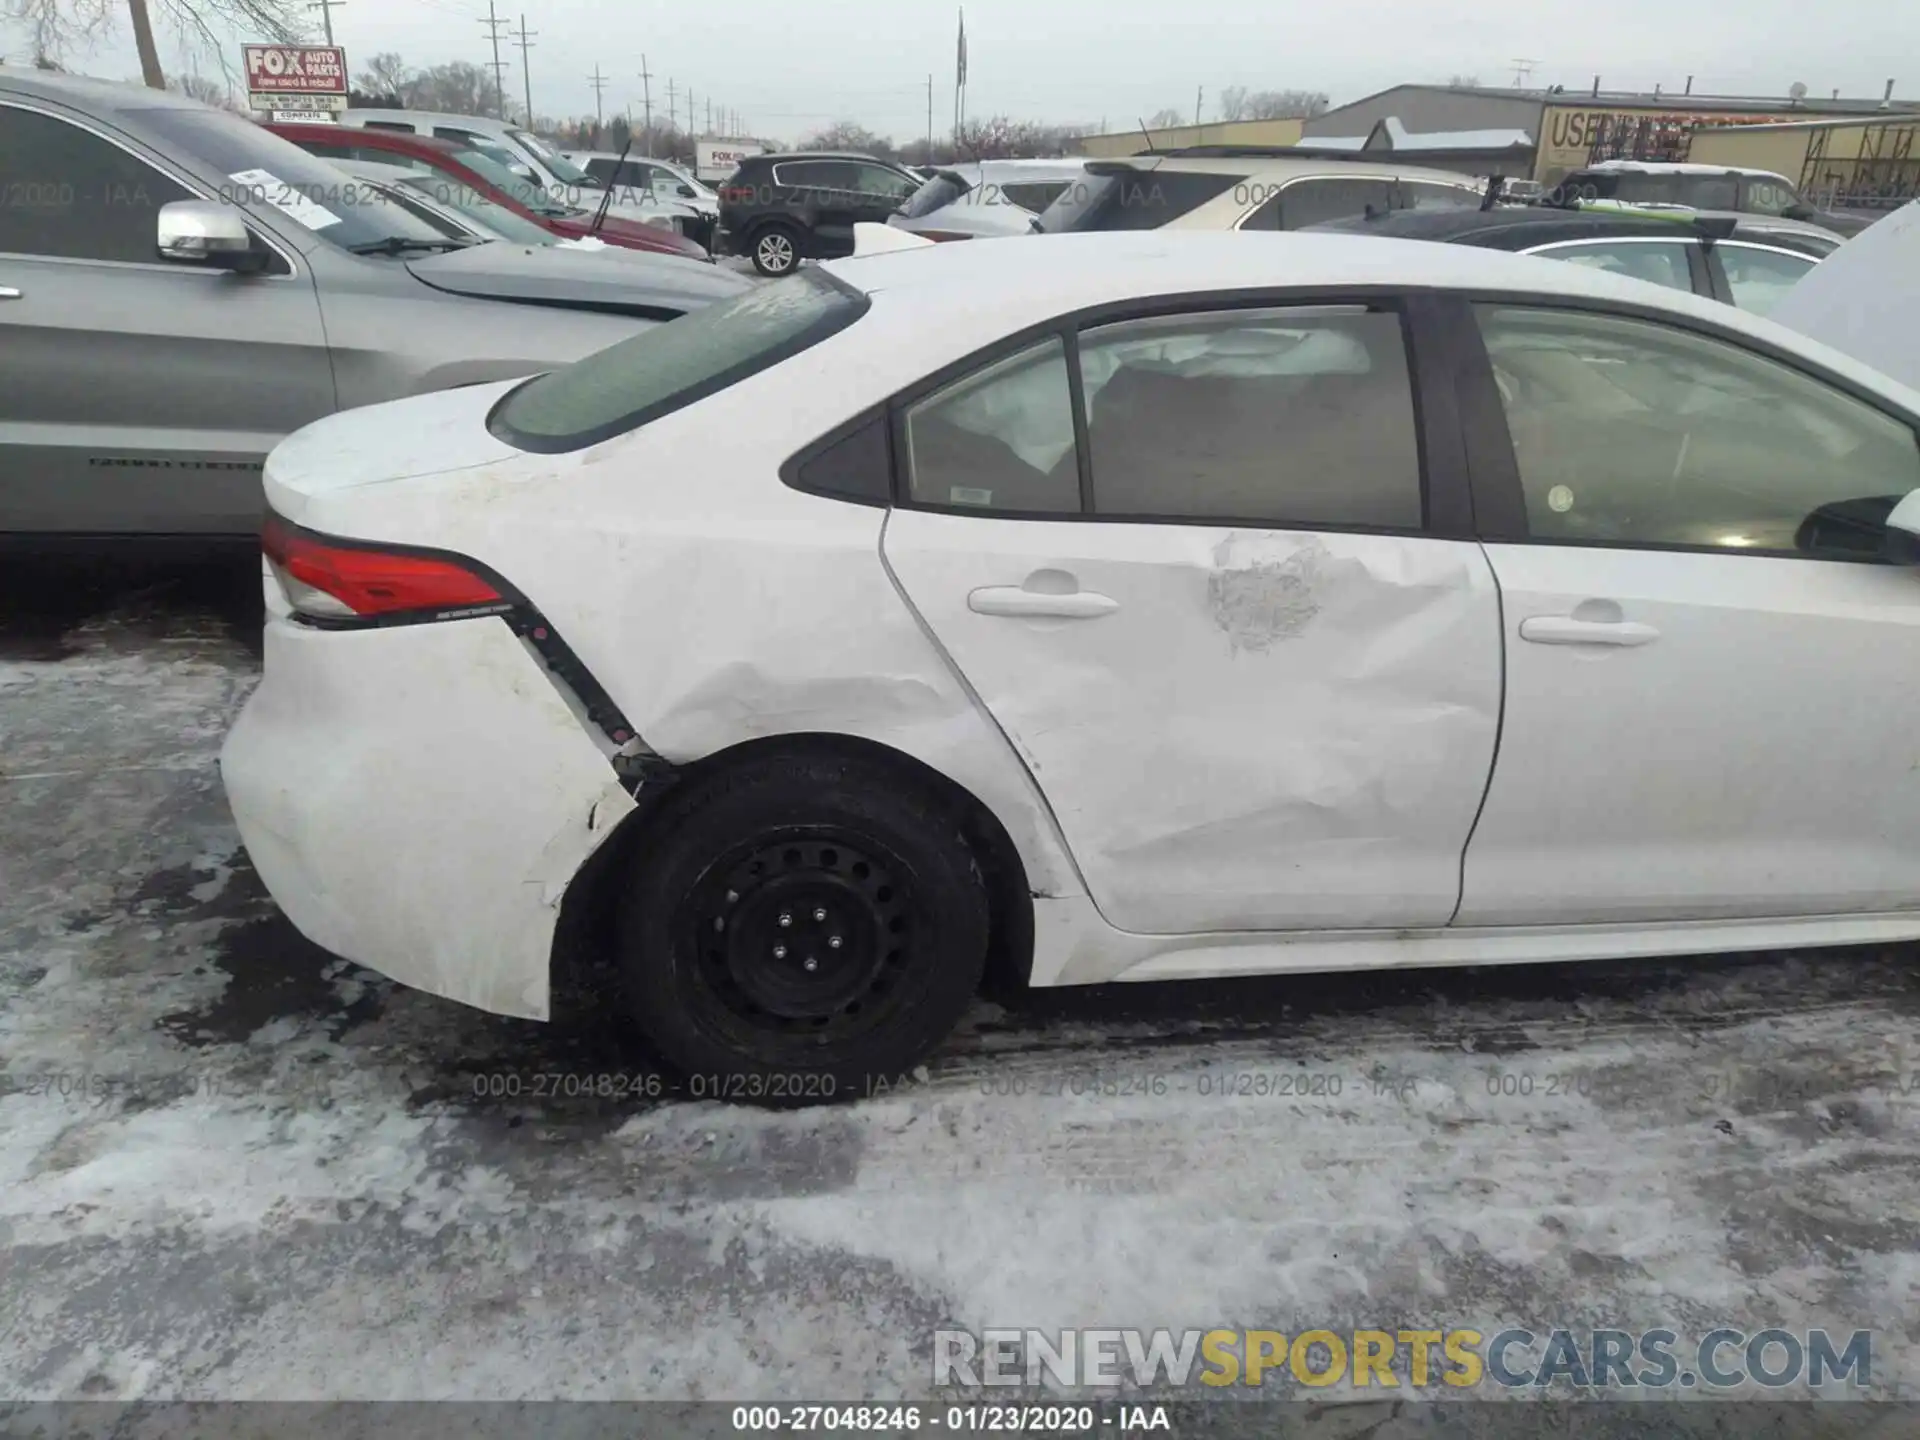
<point x="302" y="77"/>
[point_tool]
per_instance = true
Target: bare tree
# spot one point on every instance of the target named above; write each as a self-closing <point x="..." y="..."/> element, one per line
<point x="1166" y="119"/>
<point x="457" y="87"/>
<point x="1286" y="104"/>
<point x="386" y="74"/>
<point x="1233" y="103"/>
<point x="57" y="27"/>
<point x="1465" y="82"/>
<point x="204" y="88"/>
<point x="846" y="135"/>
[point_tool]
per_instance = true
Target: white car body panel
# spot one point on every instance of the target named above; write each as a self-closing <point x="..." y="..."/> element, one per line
<point x="1305" y="750"/>
<point x="717" y="606"/>
<point x="1865" y="297"/>
<point x="400" y="730"/>
<point x="871" y="239"/>
<point x="1710" y="773"/>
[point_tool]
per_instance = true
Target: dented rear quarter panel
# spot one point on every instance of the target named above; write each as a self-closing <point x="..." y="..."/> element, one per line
<point x="715" y="604"/>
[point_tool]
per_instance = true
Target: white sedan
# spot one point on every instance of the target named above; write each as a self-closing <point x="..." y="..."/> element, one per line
<point x="1126" y="607"/>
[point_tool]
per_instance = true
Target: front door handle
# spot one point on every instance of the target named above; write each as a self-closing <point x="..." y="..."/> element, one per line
<point x="7" y="292"/>
<point x="1565" y="630"/>
<point x="1014" y="600"/>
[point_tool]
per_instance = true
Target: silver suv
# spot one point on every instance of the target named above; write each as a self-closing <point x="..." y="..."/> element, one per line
<point x="1219" y="188"/>
<point x="179" y="289"/>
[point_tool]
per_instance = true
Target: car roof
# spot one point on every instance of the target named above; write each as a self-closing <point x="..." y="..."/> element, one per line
<point x="1525" y="225"/>
<point x="428" y="117"/>
<point x="85" y="93"/>
<point x="1279" y="168"/>
<point x="822" y="155"/>
<point x="961" y="298"/>
<point x="394" y="140"/>
<point x="1658" y="167"/>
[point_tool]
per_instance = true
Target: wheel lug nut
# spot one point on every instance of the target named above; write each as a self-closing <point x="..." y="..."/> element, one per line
<point x="733" y="897"/>
<point x="785" y="919"/>
<point x="819" y="914"/>
<point x="779" y="952"/>
<point x="833" y="942"/>
<point x="810" y="964"/>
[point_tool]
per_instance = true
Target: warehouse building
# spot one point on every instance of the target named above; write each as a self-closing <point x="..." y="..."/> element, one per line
<point x="1858" y="164"/>
<point x="1541" y="134"/>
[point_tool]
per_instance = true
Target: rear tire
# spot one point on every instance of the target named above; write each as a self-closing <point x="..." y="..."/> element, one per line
<point x="776" y="250"/>
<point x="801" y="928"/>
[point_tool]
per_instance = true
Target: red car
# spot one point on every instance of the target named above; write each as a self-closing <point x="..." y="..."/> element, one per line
<point x="475" y="167"/>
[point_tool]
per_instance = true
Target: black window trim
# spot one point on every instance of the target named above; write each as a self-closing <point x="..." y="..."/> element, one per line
<point x="1498" y="496"/>
<point x="191" y="184"/>
<point x="820" y="330"/>
<point x="1445" y="493"/>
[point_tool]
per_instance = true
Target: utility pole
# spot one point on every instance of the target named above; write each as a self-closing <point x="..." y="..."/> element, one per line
<point x="326" y="9"/>
<point x="646" y="79"/>
<point x="1521" y="70"/>
<point x="673" y="115"/>
<point x="525" y="41"/>
<point x="710" y="114"/>
<point x="929" y="119"/>
<point x="1198" y="95"/>
<point x="599" y="83"/>
<point x="690" y="121"/>
<point x="493" y="23"/>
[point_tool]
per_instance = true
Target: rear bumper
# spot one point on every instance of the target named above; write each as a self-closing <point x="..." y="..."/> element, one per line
<point x="417" y="799"/>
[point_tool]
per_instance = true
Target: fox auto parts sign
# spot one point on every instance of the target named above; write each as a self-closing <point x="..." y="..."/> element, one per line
<point x="296" y="77"/>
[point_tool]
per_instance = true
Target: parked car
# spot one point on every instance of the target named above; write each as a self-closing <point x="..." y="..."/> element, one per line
<point x="191" y="288"/>
<point x="781" y="209"/>
<point x="1751" y="265"/>
<point x="985" y="199"/>
<point x="1865" y="301"/>
<point x="1194" y="608"/>
<point x="664" y="181"/>
<point x="1250" y="188"/>
<point x="479" y="169"/>
<point x="453" y="209"/>
<point x="525" y="153"/>
<point x="1643" y="183"/>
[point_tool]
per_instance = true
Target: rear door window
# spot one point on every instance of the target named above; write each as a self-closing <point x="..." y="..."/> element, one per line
<point x="1300" y="417"/>
<point x="671" y="366"/>
<point x="1709" y="192"/>
<point x="1310" y="202"/>
<point x="1001" y="439"/>
<point x="1759" y="279"/>
<point x="1126" y="198"/>
<point x="1659" y="262"/>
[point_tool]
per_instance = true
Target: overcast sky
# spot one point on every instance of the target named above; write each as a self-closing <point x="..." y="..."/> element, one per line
<point x="788" y="68"/>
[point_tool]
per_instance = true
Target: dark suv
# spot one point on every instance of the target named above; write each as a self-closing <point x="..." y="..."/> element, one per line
<point x="1702" y="187"/>
<point x="781" y="209"/>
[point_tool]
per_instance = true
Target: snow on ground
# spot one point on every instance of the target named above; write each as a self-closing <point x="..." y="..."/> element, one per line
<point x="232" y="1166"/>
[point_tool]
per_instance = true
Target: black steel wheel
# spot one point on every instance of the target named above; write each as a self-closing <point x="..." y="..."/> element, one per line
<point x="800" y="928"/>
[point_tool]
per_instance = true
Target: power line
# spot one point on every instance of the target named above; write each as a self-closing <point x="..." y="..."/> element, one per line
<point x="646" y="79"/>
<point x="599" y="83"/>
<point x="326" y="9"/>
<point x="1522" y="69"/>
<point x="493" y="23"/>
<point x="525" y="41"/>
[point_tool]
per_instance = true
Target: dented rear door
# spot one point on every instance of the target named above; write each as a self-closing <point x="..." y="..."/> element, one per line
<point x="1240" y="726"/>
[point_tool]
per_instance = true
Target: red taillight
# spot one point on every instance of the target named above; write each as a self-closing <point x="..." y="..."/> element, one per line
<point x="329" y="579"/>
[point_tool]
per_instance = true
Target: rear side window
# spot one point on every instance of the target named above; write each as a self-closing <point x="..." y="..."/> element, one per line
<point x="1297" y="416"/>
<point x="1035" y="195"/>
<point x="671" y="366"/>
<point x="1710" y="192"/>
<point x="1130" y="199"/>
<point x="1313" y="202"/>
<point x="1001" y="439"/>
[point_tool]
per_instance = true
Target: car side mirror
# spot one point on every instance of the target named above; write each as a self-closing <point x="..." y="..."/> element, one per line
<point x="1798" y="211"/>
<point x="205" y="232"/>
<point x="1903" y="531"/>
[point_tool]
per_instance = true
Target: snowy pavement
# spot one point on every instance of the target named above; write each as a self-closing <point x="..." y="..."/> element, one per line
<point x="233" y="1167"/>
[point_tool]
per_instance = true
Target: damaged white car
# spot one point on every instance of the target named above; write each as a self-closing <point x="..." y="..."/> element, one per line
<point x="1128" y="607"/>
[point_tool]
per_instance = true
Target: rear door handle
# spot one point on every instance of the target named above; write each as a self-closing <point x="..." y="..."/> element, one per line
<point x="1013" y="600"/>
<point x="1565" y="630"/>
<point x="7" y="292"/>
